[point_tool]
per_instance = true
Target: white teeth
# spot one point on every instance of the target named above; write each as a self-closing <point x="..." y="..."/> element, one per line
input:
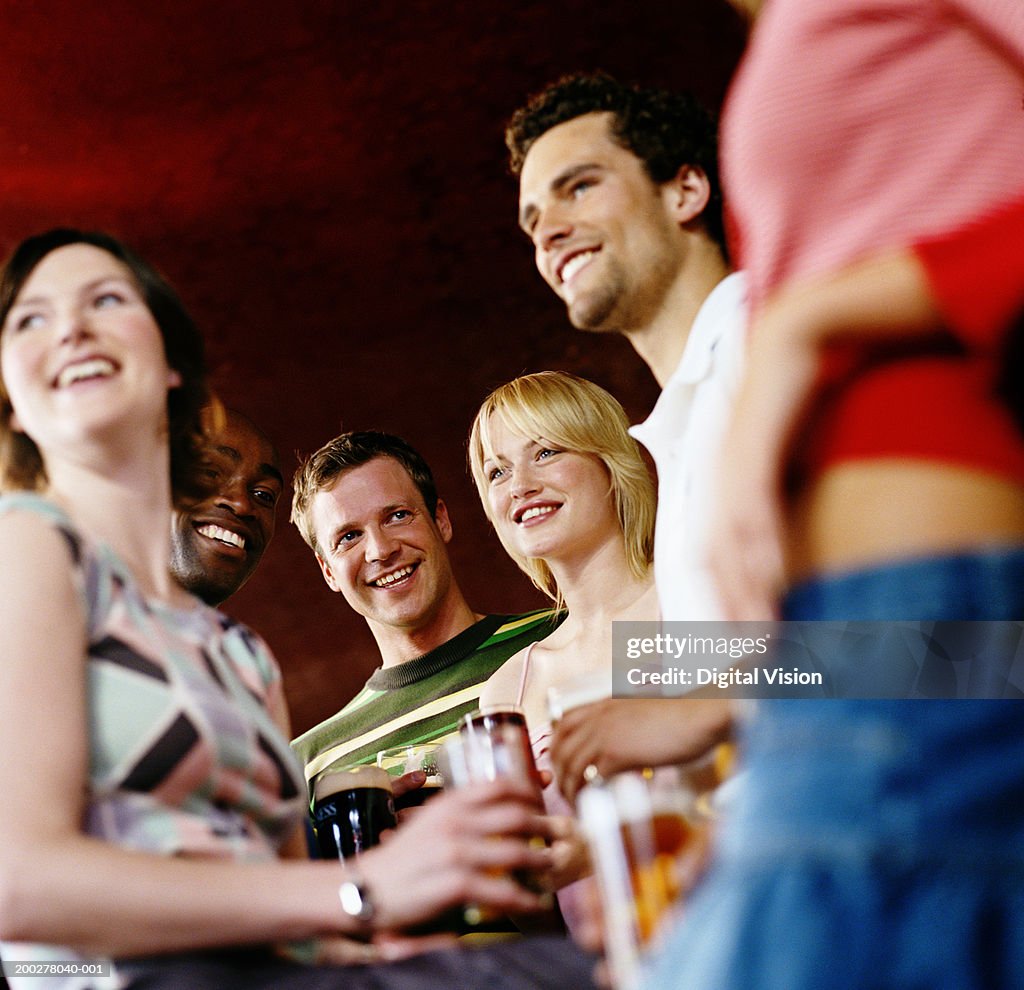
<point x="575" y="263"/>
<point x="224" y="535"/>
<point x="93" y="368"/>
<point x="393" y="577"/>
<point x="537" y="510"/>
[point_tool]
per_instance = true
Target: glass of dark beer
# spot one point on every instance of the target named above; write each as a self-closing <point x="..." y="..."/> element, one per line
<point x="351" y="808"/>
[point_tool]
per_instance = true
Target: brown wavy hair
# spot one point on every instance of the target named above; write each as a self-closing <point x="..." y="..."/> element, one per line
<point x="21" y="464"/>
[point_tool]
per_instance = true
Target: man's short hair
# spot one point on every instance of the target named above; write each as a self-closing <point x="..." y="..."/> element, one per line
<point x="350" y="450"/>
<point x="664" y="130"/>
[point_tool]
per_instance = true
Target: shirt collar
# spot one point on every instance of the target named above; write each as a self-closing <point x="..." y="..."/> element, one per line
<point x="714" y="318"/>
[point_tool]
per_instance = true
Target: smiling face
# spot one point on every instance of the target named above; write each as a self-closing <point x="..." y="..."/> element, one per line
<point x="379" y="546"/>
<point x="606" y="237"/>
<point x="81" y="353"/>
<point x="218" y="541"/>
<point x="546" y="502"/>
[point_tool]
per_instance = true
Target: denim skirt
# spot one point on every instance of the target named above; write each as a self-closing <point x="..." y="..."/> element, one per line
<point x="873" y="844"/>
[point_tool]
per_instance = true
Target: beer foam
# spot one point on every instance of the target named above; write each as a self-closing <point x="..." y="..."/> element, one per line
<point x="350" y="779"/>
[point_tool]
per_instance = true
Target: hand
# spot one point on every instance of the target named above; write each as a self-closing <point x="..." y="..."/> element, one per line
<point x="411" y="781"/>
<point x="628" y="734"/>
<point x="570" y="860"/>
<point x="402" y="785"/>
<point x="460" y="848"/>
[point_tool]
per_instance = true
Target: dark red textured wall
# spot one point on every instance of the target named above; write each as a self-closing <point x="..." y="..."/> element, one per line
<point x="325" y="183"/>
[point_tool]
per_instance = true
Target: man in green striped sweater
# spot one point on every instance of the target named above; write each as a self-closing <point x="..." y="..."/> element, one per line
<point x="367" y="505"/>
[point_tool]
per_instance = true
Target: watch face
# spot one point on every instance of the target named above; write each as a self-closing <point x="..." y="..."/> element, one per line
<point x="354" y="901"/>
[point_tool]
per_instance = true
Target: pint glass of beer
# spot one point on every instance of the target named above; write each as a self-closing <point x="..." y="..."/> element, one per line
<point x="493" y="744"/>
<point x="639" y="827"/>
<point x="351" y="807"/>
<point x="497" y="746"/>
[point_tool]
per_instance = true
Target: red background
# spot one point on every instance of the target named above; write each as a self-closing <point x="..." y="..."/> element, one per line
<point x="325" y="183"/>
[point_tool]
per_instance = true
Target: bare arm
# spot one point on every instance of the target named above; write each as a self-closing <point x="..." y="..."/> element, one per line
<point x="884" y="297"/>
<point x="60" y="886"/>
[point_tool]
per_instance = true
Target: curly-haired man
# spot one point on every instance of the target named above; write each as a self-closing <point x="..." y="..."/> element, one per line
<point x="619" y="194"/>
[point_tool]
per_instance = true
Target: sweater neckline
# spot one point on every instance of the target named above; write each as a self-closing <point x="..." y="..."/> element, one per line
<point x="438" y="659"/>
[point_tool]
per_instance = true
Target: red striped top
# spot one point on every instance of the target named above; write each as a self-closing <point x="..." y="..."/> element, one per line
<point x="856" y="125"/>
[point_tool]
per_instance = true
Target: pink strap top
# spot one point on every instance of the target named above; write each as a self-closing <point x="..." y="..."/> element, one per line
<point x="524" y="674"/>
<point x="574" y="899"/>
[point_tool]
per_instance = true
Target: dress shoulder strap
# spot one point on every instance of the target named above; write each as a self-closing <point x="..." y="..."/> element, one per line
<point x="524" y="674"/>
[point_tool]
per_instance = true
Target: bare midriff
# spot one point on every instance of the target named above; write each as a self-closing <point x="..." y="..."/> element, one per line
<point x="863" y="513"/>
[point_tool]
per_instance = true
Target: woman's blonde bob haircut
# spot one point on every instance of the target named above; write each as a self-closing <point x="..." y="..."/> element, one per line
<point x="572" y="414"/>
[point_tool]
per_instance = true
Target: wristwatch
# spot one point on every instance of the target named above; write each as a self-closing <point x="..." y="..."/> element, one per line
<point x="356" y="901"/>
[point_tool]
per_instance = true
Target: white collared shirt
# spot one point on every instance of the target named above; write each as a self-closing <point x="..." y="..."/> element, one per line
<point x="683" y="434"/>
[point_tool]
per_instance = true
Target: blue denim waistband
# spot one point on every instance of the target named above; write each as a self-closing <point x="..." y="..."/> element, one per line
<point x="982" y="584"/>
<point x="892" y="774"/>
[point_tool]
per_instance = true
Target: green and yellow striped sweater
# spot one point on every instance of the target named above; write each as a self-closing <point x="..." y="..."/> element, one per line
<point x="420" y="700"/>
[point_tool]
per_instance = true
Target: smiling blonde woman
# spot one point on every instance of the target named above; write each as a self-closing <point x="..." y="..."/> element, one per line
<point x="573" y="504"/>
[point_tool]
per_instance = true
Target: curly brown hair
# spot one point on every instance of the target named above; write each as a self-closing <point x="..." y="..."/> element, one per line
<point x="664" y="130"/>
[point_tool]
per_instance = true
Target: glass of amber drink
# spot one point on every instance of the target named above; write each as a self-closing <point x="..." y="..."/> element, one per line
<point x="640" y="828"/>
<point x="493" y="744"/>
<point x="497" y="746"/>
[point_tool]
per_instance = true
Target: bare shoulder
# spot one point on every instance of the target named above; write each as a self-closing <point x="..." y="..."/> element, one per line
<point x="503" y="685"/>
<point x="35" y="566"/>
<point x="28" y="539"/>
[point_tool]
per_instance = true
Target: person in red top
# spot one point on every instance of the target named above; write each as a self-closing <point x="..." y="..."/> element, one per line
<point x="883" y="819"/>
<point x="874" y="472"/>
<point x="966" y="287"/>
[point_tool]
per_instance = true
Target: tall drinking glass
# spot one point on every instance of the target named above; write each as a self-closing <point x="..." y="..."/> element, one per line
<point x="351" y="808"/>
<point x="493" y="744"/>
<point x="639" y="827"/>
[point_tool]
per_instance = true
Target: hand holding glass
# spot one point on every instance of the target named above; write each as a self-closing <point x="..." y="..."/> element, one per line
<point x="493" y="744"/>
<point x="401" y="760"/>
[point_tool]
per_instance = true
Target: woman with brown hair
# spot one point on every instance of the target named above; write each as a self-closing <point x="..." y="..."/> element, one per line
<point x="150" y="796"/>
